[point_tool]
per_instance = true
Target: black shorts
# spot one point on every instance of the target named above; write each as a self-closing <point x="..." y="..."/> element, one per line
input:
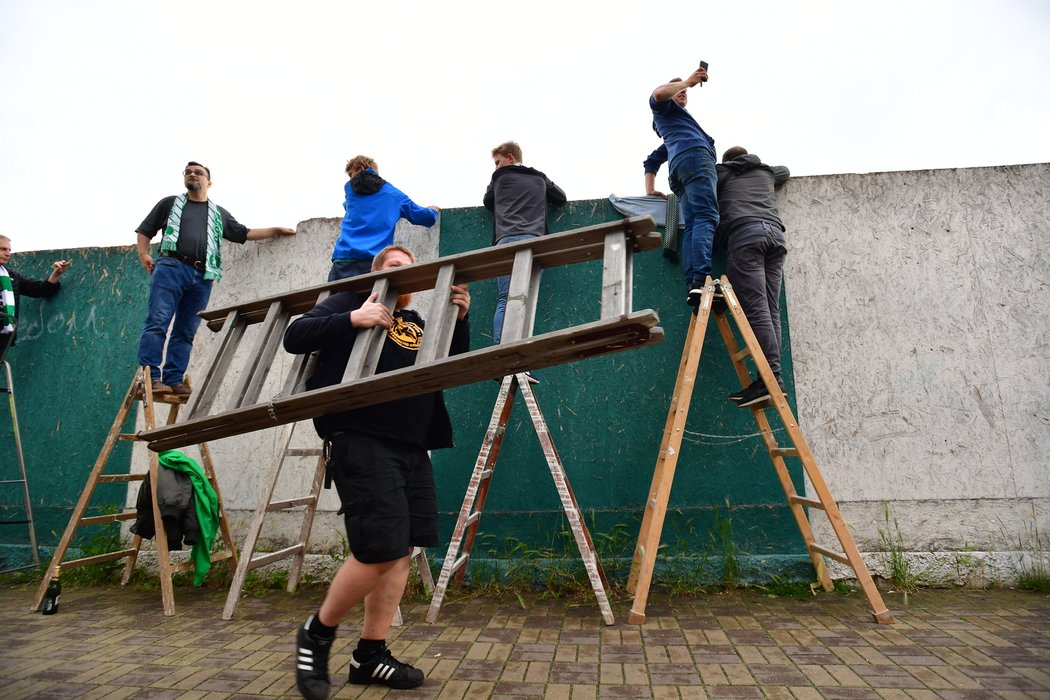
<point x="388" y="498"/>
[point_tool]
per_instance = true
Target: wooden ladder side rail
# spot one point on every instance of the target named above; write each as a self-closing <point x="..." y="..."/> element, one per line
<point x="547" y="350"/>
<point x="852" y="556"/>
<point x="737" y="356"/>
<point x="466" y="527"/>
<point x="591" y="563"/>
<point x="554" y="250"/>
<point x="645" y="552"/>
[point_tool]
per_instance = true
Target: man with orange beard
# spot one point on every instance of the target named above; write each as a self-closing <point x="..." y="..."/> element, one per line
<point x="382" y="472"/>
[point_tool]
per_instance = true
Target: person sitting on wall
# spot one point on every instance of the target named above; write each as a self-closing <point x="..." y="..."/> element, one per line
<point x="181" y="276"/>
<point x="373" y="207"/>
<point x="12" y="285"/>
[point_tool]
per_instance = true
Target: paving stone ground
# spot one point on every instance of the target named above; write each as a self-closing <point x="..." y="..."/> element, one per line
<point x="952" y="644"/>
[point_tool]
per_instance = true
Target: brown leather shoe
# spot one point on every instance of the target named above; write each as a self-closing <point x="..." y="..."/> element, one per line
<point x="160" y="387"/>
<point x="181" y="389"/>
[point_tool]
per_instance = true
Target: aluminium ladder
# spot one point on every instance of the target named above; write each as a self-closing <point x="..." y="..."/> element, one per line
<point x="140" y="390"/>
<point x="9" y="389"/>
<point x="463" y="535"/>
<point x="663" y="474"/>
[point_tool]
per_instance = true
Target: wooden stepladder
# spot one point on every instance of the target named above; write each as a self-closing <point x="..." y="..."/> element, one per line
<point x="296" y="552"/>
<point x="466" y="528"/>
<point x="140" y="390"/>
<point x="663" y="475"/>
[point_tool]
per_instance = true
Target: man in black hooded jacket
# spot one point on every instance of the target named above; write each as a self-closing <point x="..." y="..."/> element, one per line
<point x="751" y="227"/>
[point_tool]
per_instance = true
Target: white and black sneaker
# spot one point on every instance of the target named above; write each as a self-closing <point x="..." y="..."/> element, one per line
<point x="386" y="670"/>
<point x="311" y="664"/>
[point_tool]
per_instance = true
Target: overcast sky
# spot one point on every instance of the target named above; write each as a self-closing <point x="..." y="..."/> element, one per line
<point x="102" y="102"/>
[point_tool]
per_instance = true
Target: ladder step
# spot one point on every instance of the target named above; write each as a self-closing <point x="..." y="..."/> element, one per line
<point x="117" y="478"/>
<point x="784" y="452"/>
<point x="459" y="563"/>
<point x="811" y="502"/>
<point x="14" y="522"/>
<point x="485" y="475"/>
<point x="112" y="517"/>
<point x="189" y="564"/>
<point x="303" y="452"/>
<point x="842" y="558"/>
<point x="741" y="354"/>
<point x="264" y="559"/>
<point x="290" y="503"/>
<point x="13" y="481"/>
<point x="472" y="518"/>
<point x="98" y="558"/>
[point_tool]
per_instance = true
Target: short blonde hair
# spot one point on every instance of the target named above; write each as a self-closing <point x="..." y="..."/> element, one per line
<point x="361" y="163"/>
<point x="509" y="148"/>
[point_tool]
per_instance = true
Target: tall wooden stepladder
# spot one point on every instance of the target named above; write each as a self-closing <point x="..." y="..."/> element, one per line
<point x="465" y="530"/>
<point x="663" y="474"/>
<point x="140" y="390"/>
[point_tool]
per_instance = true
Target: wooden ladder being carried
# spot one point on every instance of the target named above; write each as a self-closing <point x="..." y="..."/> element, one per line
<point x="477" y="491"/>
<point x="663" y="475"/>
<point x="140" y="390"/>
<point x="297" y="551"/>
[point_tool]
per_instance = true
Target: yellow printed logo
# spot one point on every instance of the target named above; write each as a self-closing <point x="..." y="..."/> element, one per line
<point x="406" y="334"/>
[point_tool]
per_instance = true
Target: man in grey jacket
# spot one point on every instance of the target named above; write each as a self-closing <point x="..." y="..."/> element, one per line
<point x="518" y="197"/>
<point x="754" y="234"/>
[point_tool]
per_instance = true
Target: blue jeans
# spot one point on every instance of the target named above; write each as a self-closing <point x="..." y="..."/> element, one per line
<point x="341" y="269"/>
<point x="503" y="288"/>
<point x="694" y="180"/>
<point x="177" y="291"/>
<point x="755" y="267"/>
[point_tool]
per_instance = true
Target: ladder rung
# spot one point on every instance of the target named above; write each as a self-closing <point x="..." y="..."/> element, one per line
<point x="290" y="503"/>
<point x="98" y="558"/>
<point x="127" y="436"/>
<point x="303" y="452"/>
<point x="472" y="518"/>
<point x="112" y="517"/>
<point x="831" y="555"/>
<point x="189" y="564"/>
<point x="264" y="559"/>
<point x="741" y="354"/>
<point x="485" y="475"/>
<point x="459" y="563"/>
<point x="115" y="478"/>
<point x="13" y="481"/>
<point x="784" y="452"/>
<point x="811" y="502"/>
<point x="14" y="522"/>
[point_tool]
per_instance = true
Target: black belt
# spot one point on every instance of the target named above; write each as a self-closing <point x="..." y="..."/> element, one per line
<point x="195" y="264"/>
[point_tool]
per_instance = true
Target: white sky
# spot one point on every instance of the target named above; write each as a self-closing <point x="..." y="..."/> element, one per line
<point x="102" y="102"/>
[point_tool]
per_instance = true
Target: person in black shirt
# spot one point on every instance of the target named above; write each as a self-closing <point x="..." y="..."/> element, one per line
<point x="378" y="460"/>
<point x="190" y="259"/>
<point x="16" y="285"/>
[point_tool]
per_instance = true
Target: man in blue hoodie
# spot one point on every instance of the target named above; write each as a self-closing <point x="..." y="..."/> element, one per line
<point x="691" y="154"/>
<point x="373" y="208"/>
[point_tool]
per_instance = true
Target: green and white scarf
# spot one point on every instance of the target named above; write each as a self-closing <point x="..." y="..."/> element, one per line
<point x="213" y="261"/>
<point x="8" y="319"/>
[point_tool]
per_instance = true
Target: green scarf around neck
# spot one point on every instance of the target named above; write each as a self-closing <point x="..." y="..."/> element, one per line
<point x="213" y="261"/>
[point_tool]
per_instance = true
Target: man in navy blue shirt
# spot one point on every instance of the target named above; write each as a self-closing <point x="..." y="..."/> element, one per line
<point x="690" y="153"/>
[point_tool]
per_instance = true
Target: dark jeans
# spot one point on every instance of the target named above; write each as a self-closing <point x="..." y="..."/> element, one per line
<point x="694" y="180"/>
<point x="341" y="269"/>
<point x="177" y="291"/>
<point x="755" y="268"/>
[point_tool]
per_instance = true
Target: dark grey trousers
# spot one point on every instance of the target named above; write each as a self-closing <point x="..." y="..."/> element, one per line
<point x="755" y="268"/>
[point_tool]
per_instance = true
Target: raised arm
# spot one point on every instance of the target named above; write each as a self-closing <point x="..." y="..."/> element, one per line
<point x="259" y="234"/>
<point x="669" y="90"/>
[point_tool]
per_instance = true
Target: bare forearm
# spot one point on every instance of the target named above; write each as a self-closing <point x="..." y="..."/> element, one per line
<point x="259" y="234"/>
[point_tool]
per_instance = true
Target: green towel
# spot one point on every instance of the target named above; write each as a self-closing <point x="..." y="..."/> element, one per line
<point x="206" y="504"/>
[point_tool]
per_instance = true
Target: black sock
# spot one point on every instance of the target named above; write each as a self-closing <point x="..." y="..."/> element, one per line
<point x="367" y="649"/>
<point x="318" y="629"/>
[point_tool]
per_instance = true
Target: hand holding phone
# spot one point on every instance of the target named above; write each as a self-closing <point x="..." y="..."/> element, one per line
<point x="703" y="66"/>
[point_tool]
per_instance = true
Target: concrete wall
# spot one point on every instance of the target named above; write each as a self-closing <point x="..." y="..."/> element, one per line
<point x="917" y="354"/>
<point x="919" y="309"/>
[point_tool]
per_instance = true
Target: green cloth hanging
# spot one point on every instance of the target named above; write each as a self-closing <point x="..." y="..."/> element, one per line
<point x="206" y="505"/>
